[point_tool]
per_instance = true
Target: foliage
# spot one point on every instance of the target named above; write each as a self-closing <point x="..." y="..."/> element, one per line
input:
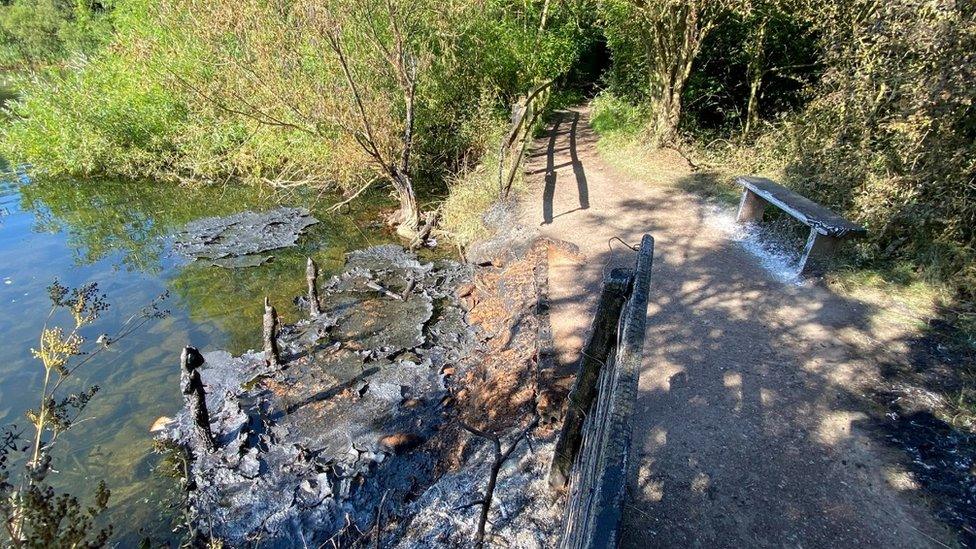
<point x="757" y="62"/>
<point x="37" y="33"/>
<point x="32" y="513"/>
<point x="243" y="91"/>
<point x="890" y="133"/>
<point x="654" y="46"/>
<point x="474" y="191"/>
<point x="615" y="115"/>
<point x="864" y="106"/>
<point x="127" y="123"/>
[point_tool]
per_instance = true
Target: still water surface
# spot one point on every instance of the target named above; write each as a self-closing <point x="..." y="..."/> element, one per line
<point x="115" y="233"/>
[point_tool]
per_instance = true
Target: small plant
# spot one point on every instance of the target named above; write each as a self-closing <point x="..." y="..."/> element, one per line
<point x="33" y="514"/>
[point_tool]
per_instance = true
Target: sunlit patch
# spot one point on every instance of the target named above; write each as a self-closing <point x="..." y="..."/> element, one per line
<point x="700" y="483"/>
<point x="733" y="381"/>
<point x="835" y="426"/>
<point x="900" y="480"/>
<point x="651" y="488"/>
<point x="659" y="437"/>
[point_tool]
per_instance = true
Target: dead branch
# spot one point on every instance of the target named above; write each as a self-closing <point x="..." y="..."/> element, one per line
<point x="375" y="286"/>
<point x="336" y="207"/>
<point x="496" y="466"/>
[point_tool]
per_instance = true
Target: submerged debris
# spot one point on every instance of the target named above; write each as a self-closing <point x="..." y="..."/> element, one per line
<point x="307" y="446"/>
<point x="231" y="241"/>
<point x="356" y="435"/>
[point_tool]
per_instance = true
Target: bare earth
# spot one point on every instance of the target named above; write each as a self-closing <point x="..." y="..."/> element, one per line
<point x="751" y="428"/>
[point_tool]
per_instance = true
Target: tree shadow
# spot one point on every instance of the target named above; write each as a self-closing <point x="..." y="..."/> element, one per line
<point x="751" y="426"/>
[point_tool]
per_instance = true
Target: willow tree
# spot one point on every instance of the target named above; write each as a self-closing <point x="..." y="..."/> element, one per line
<point x="344" y="73"/>
<point x="658" y="41"/>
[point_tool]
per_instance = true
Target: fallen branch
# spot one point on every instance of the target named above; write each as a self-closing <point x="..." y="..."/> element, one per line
<point x="496" y="466"/>
<point x="374" y="286"/>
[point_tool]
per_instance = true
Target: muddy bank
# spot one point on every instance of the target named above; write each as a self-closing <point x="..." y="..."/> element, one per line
<point x="360" y="435"/>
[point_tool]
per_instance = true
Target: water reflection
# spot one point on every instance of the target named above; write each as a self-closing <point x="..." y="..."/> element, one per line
<point x="116" y="233"/>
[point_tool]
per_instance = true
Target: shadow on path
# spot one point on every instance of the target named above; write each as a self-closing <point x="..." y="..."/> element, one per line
<point x="751" y="428"/>
<point x="551" y="170"/>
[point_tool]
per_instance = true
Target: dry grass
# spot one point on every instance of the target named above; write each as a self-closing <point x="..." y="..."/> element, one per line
<point x="471" y="194"/>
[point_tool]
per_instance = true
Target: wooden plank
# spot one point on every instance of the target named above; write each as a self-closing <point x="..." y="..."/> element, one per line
<point x="817" y="253"/>
<point x="751" y="207"/>
<point x="601" y="475"/>
<point x="599" y="343"/>
<point x="808" y="212"/>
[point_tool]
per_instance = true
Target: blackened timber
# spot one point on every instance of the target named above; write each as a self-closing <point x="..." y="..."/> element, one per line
<point x="196" y="398"/>
<point x="272" y="354"/>
<point x="593" y="357"/>
<point x="312" y="277"/>
<point x="600" y="474"/>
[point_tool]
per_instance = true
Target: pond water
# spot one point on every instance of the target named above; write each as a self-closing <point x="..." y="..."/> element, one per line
<point x="115" y="233"/>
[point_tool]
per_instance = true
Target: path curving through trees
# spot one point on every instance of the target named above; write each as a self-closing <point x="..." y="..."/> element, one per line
<point x="752" y="428"/>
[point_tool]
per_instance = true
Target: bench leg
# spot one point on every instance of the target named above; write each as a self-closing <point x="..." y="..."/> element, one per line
<point x="750" y="207"/>
<point x="818" y="250"/>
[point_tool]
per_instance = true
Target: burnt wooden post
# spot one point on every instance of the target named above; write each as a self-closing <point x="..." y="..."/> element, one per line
<point x="271" y="352"/>
<point x="599" y="481"/>
<point x="312" y="276"/>
<point x="593" y="357"/>
<point x="196" y="399"/>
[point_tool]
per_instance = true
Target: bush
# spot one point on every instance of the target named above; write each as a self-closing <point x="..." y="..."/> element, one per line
<point x="246" y="94"/>
<point x="889" y="135"/>
<point x="38" y="33"/>
<point x="615" y="115"/>
<point x="99" y="118"/>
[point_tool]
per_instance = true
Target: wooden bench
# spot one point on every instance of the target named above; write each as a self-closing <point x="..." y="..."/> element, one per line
<point x="827" y="229"/>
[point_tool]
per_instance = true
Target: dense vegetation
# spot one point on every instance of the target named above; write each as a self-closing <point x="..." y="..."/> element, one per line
<point x="337" y="93"/>
<point x="863" y="105"/>
<point x="866" y="106"/>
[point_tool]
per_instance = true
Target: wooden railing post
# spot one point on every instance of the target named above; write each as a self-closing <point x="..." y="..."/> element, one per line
<point x="593" y="356"/>
<point x="312" y="277"/>
<point x="599" y="476"/>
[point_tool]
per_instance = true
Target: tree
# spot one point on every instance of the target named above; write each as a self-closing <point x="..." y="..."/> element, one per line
<point x="344" y="73"/>
<point x="661" y="39"/>
<point x="777" y="45"/>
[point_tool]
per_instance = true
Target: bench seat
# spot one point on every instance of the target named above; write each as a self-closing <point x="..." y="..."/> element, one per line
<point x="827" y="228"/>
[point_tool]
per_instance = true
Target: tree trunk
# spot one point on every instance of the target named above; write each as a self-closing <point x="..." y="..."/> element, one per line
<point x="667" y="116"/>
<point x="752" y="109"/>
<point x="757" y="59"/>
<point x="408" y="217"/>
<point x="678" y="39"/>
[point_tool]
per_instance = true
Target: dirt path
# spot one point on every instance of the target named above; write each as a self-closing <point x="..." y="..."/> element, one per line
<point x="751" y="427"/>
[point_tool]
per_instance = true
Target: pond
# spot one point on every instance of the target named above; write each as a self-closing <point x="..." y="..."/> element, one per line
<point x="115" y="233"/>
